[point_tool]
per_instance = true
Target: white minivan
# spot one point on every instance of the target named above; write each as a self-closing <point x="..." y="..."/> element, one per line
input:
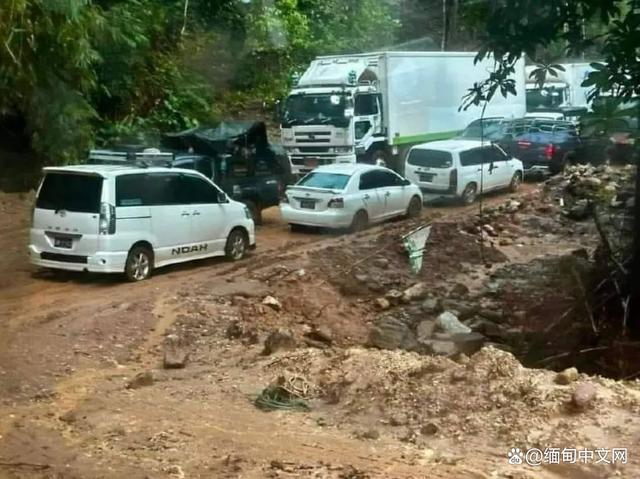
<point x="130" y="219"/>
<point x="461" y="169"/>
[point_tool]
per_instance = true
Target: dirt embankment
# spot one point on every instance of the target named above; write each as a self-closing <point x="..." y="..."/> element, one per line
<point x="85" y="394"/>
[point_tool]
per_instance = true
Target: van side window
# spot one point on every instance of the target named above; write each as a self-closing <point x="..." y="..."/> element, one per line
<point x="494" y="154"/>
<point x="471" y="157"/>
<point x="199" y="191"/>
<point x="148" y="190"/>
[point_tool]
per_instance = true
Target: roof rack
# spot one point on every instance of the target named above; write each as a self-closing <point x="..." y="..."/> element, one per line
<point x="144" y="159"/>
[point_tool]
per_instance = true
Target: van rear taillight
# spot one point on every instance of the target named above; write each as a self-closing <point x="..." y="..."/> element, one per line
<point x="453" y="180"/>
<point x="549" y="151"/>
<point x="107" y="225"/>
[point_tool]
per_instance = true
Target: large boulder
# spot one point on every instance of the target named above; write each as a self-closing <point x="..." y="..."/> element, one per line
<point x="449" y="323"/>
<point x="392" y="333"/>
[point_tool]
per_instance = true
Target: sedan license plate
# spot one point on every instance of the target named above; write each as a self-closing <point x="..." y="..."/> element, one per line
<point x="309" y="204"/>
<point x="62" y="242"/>
<point x="426" y="176"/>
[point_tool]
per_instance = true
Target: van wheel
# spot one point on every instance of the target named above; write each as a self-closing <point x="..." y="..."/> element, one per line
<point x="256" y="212"/>
<point x="359" y="222"/>
<point x="236" y="246"/>
<point x="139" y="264"/>
<point x="469" y="194"/>
<point x="516" y="180"/>
<point x="414" y="208"/>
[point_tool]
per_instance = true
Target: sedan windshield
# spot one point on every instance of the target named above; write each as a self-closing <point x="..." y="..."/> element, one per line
<point x="326" y="181"/>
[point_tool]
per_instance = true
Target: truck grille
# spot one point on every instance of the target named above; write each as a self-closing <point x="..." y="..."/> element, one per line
<point x="313" y="149"/>
<point x="313" y="137"/>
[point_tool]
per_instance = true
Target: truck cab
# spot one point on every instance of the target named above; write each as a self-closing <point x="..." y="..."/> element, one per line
<point x="333" y="114"/>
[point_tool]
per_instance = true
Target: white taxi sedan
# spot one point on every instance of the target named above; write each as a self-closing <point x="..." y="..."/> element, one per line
<point x="349" y="196"/>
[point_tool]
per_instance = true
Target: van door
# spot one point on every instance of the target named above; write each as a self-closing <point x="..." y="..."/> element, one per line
<point x="170" y="224"/>
<point x="208" y="217"/>
<point x="66" y="218"/>
<point x="499" y="173"/>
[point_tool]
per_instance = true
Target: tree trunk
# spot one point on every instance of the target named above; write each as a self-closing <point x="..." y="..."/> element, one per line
<point x="634" y="277"/>
<point x="445" y="25"/>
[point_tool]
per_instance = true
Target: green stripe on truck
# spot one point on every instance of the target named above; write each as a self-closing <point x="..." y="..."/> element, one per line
<point x="441" y="135"/>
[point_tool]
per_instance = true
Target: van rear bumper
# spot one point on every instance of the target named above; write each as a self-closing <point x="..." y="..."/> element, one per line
<point x="99" y="262"/>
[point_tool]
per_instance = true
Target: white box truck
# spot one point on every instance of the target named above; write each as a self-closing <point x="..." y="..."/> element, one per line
<point x="563" y="91"/>
<point x="375" y="106"/>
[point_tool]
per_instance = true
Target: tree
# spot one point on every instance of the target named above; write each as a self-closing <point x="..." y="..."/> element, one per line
<point x="517" y="27"/>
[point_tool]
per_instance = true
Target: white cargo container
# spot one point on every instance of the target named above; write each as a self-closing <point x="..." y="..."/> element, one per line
<point x="562" y="91"/>
<point x="375" y="106"/>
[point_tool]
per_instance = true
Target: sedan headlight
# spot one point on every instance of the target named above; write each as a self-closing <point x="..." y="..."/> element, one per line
<point x="247" y="213"/>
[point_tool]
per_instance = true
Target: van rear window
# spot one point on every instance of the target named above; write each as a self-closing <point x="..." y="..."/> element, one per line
<point x="70" y="192"/>
<point x="430" y="158"/>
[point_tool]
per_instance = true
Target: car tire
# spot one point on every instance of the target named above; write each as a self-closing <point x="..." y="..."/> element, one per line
<point x="469" y="194"/>
<point x="516" y="181"/>
<point x="237" y="245"/>
<point x="256" y="212"/>
<point x="139" y="264"/>
<point x="360" y="221"/>
<point x="414" y="208"/>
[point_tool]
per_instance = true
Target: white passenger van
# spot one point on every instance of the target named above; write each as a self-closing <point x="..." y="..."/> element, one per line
<point x="130" y="219"/>
<point x="461" y="169"/>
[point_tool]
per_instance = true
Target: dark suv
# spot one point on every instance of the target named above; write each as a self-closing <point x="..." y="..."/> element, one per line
<point x="237" y="157"/>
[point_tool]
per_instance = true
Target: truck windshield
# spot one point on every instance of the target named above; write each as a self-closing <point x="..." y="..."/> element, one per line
<point x="430" y="158"/>
<point x="315" y="109"/>
<point x="327" y="181"/>
<point x="490" y="129"/>
<point x="547" y="97"/>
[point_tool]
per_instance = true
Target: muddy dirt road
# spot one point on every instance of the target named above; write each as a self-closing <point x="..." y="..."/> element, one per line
<point x="83" y="392"/>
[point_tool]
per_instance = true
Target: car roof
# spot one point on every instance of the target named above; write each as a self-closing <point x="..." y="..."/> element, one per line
<point x="348" y="168"/>
<point x="111" y="170"/>
<point x="452" y="145"/>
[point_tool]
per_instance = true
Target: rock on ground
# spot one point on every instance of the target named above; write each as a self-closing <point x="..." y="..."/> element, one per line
<point x="567" y="376"/>
<point x="448" y="322"/>
<point x="392" y="333"/>
<point x="278" y="340"/>
<point x="176" y="353"/>
<point x="583" y="395"/>
<point x="141" y="380"/>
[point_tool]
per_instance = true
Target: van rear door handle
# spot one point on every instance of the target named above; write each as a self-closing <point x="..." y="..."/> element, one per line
<point x="366" y="197"/>
<point x="196" y="213"/>
<point x="185" y="213"/>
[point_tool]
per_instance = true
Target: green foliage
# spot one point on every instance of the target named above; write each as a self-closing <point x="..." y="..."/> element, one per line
<point x="517" y="27"/>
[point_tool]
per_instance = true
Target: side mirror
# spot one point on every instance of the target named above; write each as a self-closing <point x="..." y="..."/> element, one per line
<point x="405" y="182"/>
<point x="222" y="197"/>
